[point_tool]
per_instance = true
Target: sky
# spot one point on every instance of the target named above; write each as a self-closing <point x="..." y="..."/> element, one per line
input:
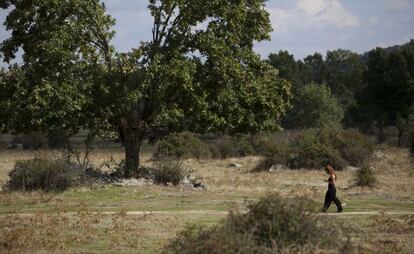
<point x="302" y="27"/>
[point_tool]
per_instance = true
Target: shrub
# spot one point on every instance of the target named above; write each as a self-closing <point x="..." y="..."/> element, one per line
<point x="236" y="146"/>
<point x="272" y="225"/>
<point x="42" y="174"/>
<point x="313" y="150"/>
<point x="34" y="140"/>
<point x="275" y="154"/>
<point x="224" y="148"/>
<point x="168" y="171"/>
<point x="365" y="176"/>
<point x="182" y="145"/>
<point x="354" y="147"/>
<point x="51" y="175"/>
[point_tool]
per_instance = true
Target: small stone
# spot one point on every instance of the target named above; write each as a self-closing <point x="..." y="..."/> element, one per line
<point x="234" y="165"/>
<point x="353" y="169"/>
<point x="276" y="167"/>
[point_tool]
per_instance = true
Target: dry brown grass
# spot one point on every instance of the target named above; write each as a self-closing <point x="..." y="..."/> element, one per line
<point x="227" y="187"/>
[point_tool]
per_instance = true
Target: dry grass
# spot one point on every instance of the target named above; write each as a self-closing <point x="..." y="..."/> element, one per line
<point x="89" y="232"/>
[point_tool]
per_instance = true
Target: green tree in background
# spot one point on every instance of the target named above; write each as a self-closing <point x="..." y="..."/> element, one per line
<point x="287" y="66"/>
<point x="313" y="69"/>
<point x="186" y="77"/>
<point x="389" y="94"/>
<point x="344" y="71"/>
<point x="314" y="106"/>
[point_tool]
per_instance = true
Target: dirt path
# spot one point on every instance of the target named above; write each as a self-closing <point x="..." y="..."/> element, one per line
<point x="207" y="212"/>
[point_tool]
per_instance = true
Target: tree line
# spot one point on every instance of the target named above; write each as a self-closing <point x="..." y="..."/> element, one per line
<point x="371" y="91"/>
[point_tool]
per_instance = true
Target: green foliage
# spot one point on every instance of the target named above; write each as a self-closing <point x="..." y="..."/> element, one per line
<point x="388" y="97"/>
<point x="315" y="148"/>
<point x="184" y="78"/>
<point x="365" y="176"/>
<point x="344" y="71"/>
<point x="287" y="66"/>
<point x="43" y="174"/>
<point x="168" y="171"/>
<point x="314" y="106"/>
<point x="272" y="225"/>
<point x="181" y="146"/>
<point x="312" y="150"/>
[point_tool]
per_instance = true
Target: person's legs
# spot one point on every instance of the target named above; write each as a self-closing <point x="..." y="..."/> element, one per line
<point x="328" y="201"/>
<point x="338" y="204"/>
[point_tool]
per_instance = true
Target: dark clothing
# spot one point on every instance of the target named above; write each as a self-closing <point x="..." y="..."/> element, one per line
<point x="331" y="196"/>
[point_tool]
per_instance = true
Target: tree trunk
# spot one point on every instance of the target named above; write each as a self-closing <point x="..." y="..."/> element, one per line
<point x="381" y="135"/>
<point x="400" y="133"/>
<point x="133" y="138"/>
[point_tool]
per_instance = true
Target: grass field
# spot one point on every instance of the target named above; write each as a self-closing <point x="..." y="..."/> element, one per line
<point x="142" y="219"/>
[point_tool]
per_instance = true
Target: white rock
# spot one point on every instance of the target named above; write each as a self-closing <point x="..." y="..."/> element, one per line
<point x="234" y="165"/>
<point x="131" y="182"/>
<point x="353" y="169"/>
<point x="276" y="167"/>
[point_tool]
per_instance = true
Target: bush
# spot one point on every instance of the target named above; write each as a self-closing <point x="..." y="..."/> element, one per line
<point x="42" y="174"/>
<point x="354" y="147"/>
<point x="236" y="146"/>
<point x="51" y="175"/>
<point x="168" y="171"/>
<point x="275" y="153"/>
<point x="224" y="148"/>
<point x="313" y="149"/>
<point x="34" y="140"/>
<point x="365" y="176"/>
<point x="272" y="225"/>
<point x="182" y="145"/>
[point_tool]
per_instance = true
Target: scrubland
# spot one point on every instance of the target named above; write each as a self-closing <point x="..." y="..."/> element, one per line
<point x="143" y="219"/>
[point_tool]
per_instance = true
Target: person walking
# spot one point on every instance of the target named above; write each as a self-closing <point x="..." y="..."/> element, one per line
<point x="331" y="193"/>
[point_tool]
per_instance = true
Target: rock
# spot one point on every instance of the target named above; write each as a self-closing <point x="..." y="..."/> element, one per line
<point x="379" y="155"/>
<point x="193" y="183"/>
<point x="353" y="169"/>
<point x="132" y="182"/>
<point x="234" y="165"/>
<point x="200" y="186"/>
<point x="276" y="167"/>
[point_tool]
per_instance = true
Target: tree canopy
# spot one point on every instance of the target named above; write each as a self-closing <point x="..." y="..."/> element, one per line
<point x="389" y="94"/>
<point x="314" y="106"/>
<point x="198" y="72"/>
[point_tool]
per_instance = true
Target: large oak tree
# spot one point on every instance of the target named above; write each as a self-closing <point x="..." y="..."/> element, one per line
<point x="199" y="71"/>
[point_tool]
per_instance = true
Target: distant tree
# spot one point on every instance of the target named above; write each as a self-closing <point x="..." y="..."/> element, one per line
<point x="312" y="69"/>
<point x="287" y="66"/>
<point x="389" y="94"/>
<point x="344" y="71"/>
<point x="314" y="106"/>
<point x="186" y="77"/>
